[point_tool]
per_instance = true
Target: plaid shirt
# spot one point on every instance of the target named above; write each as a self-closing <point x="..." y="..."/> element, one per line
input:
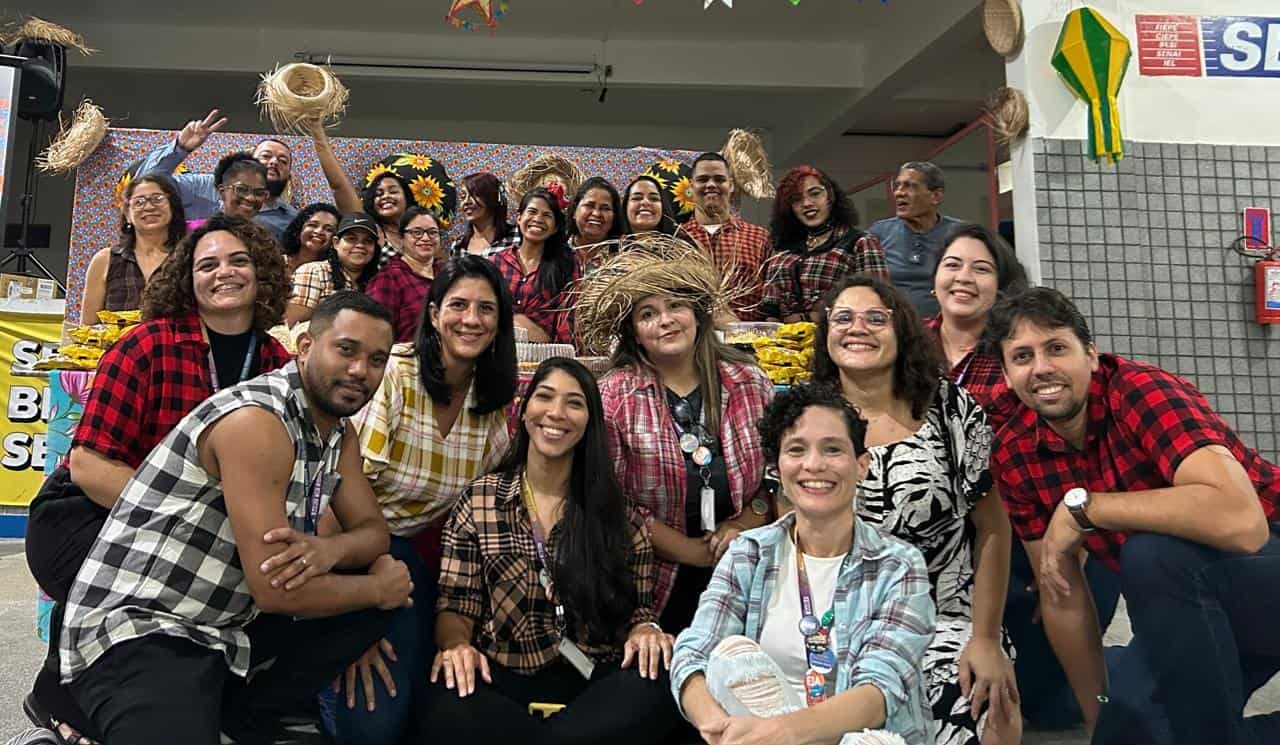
<point x="551" y="312"/>
<point x="166" y="562"/>
<point x="1143" y="423"/>
<point x="404" y="292"/>
<point x="489" y="573"/>
<point x="646" y="453"/>
<point x="148" y="381"/>
<point x="459" y="248"/>
<point x="416" y="473"/>
<point x="981" y="374"/>
<point x="884" y="618"/>
<point x="796" y="281"/>
<point x="124" y="282"/>
<point x="739" y="249"/>
<point x="313" y="282"/>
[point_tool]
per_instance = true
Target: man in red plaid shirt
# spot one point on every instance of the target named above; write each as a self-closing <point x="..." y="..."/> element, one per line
<point x="1131" y="463"/>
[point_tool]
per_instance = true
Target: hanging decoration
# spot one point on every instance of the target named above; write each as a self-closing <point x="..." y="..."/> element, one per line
<point x="76" y="141"/>
<point x="491" y="10"/>
<point x="676" y="179"/>
<point x="706" y="4"/>
<point x="1092" y="57"/>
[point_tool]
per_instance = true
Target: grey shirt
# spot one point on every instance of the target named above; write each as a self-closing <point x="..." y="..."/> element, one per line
<point x="911" y="257"/>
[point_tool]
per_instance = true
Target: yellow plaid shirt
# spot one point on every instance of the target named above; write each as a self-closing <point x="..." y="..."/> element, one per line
<point x="417" y="474"/>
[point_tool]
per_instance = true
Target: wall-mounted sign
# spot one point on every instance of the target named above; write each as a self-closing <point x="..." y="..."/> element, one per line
<point x="1208" y="46"/>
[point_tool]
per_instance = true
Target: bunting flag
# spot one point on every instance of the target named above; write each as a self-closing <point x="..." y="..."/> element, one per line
<point x="491" y="10"/>
<point x="1092" y="57"/>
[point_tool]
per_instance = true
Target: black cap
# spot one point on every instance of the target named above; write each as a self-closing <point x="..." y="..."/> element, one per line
<point x="360" y="221"/>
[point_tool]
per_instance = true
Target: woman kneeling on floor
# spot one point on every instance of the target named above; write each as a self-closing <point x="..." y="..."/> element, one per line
<point x="813" y="628"/>
<point x="546" y="590"/>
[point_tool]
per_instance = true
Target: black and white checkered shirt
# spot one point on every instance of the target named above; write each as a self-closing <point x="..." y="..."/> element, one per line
<point x="166" y="560"/>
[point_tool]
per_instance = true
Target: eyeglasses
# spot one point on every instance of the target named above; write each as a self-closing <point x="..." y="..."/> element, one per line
<point x="244" y="191"/>
<point x="155" y="200"/>
<point x="416" y="234"/>
<point x="843" y="318"/>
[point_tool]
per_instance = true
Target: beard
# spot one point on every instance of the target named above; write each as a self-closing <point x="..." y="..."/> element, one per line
<point x="276" y="188"/>
<point x="320" y="394"/>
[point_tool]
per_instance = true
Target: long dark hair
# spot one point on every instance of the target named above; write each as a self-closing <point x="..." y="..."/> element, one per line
<point x="339" y="276"/>
<point x="366" y="197"/>
<point x="487" y="188"/>
<point x="495" y="374"/>
<point x="177" y="217"/>
<point x="788" y="232"/>
<point x="591" y="570"/>
<point x="916" y="372"/>
<point x="667" y="223"/>
<point x="596" y="182"/>
<point x="291" y="238"/>
<point x="1011" y="275"/>
<point x="557" y="265"/>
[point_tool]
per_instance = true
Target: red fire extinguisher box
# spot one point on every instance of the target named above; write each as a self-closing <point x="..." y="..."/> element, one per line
<point x="1267" y="290"/>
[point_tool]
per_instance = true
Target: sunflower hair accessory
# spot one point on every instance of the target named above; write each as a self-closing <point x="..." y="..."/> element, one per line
<point x="427" y="181"/>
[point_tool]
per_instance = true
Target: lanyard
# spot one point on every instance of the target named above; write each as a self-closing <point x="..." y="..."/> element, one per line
<point x="244" y="369"/>
<point x="816" y="633"/>
<point x="540" y="544"/>
<point x="314" y="495"/>
<point x="968" y="361"/>
<point x="691" y="444"/>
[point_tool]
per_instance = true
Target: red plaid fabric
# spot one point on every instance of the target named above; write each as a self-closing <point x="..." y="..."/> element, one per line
<point x="980" y="373"/>
<point x="551" y="312"/>
<point x="739" y="248"/>
<point x="404" y="293"/>
<point x="647" y="457"/>
<point x="1143" y="423"/>
<point x="148" y="381"/>
<point x="796" y="281"/>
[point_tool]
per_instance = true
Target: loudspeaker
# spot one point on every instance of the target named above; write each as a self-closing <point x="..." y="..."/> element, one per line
<point x="44" y="79"/>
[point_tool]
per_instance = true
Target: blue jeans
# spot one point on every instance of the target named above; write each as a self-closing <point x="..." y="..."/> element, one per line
<point x="412" y="635"/>
<point x="1205" y="622"/>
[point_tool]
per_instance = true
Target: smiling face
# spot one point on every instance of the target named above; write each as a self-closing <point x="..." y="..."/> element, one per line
<point x="472" y="208"/>
<point x="223" y="276"/>
<point x="466" y="320"/>
<point x="1050" y="370"/>
<point x="389" y="200"/>
<point x="355" y="248"/>
<point x="967" y="280"/>
<point x="817" y="465"/>
<point x="279" y="162"/>
<point x="594" y="216"/>
<point x="860" y="336"/>
<point x="644" y="206"/>
<point x="537" y="221"/>
<point x="812" y="206"/>
<point x="148" y="207"/>
<point x="712" y="187"/>
<point x="343" y="366"/>
<point x="422" y="239"/>
<point x="317" y="235"/>
<point x="243" y="194"/>
<point x="556" y="415"/>
<point x="666" y="328"/>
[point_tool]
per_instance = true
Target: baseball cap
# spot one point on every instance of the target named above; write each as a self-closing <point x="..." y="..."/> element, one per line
<point x="360" y="221"/>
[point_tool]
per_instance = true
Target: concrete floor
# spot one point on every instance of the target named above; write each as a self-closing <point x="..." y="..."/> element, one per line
<point x="24" y="652"/>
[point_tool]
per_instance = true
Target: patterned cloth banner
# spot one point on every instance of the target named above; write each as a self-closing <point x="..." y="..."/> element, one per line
<point x="96" y="217"/>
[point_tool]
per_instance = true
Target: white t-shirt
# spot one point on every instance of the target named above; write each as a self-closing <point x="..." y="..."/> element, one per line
<point x="780" y="638"/>
<point x="711" y="229"/>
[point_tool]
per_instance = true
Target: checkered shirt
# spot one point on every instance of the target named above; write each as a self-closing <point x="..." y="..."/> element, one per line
<point x="646" y="452"/>
<point x="148" y="381"/>
<point x="1143" y="423"/>
<point x="981" y="374"/>
<point x="404" y="292"/>
<point x="489" y="573"/>
<point x="165" y="562"/>
<point x="551" y="312"/>
<point x="416" y="473"/>
<point x="312" y="282"/>
<point x="739" y="249"/>
<point x="459" y="248"/>
<point x="796" y="281"/>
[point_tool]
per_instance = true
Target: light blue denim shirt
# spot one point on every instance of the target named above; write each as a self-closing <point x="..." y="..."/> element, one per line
<point x="884" y="618"/>
<point x="911" y="257"/>
<point x="200" y="195"/>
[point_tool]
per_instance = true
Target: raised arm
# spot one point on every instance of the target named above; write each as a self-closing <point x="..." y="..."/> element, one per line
<point x="344" y="192"/>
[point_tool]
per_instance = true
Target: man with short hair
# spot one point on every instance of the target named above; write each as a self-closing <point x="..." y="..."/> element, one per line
<point x="210" y="560"/>
<point x="912" y="238"/>
<point x="737" y="247"/>
<point x="200" y="191"/>
<point x="1131" y="463"/>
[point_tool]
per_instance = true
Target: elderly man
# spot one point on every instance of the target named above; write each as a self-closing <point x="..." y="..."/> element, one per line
<point x="200" y="191"/>
<point x="912" y="238"/>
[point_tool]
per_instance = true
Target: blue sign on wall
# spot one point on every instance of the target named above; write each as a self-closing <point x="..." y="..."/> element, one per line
<point x="1241" y="46"/>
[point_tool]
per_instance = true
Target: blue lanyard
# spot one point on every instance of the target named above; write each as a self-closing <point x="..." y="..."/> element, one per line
<point x="244" y="369"/>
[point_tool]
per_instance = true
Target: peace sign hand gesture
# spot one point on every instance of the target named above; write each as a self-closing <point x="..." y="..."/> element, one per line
<point x="197" y="131"/>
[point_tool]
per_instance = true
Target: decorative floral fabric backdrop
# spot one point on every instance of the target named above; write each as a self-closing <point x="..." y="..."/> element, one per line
<point x="96" y="217"/>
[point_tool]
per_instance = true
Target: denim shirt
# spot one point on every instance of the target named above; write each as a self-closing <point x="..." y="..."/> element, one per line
<point x="884" y="618"/>
<point x="200" y="195"/>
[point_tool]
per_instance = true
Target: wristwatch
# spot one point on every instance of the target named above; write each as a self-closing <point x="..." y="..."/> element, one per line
<point x="1077" y="501"/>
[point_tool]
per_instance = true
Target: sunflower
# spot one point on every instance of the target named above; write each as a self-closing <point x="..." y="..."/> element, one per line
<point x="414" y="161"/>
<point x="663" y="183"/>
<point x="682" y="193"/>
<point x="375" y="173"/>
<point x="427" y="193"/>
<point x="121" y="186"/>
<point x="669" y="164"/>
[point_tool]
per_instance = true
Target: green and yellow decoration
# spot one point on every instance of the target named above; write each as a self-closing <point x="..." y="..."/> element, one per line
<point x="1092" y="57"/>
<point x="425" y="178"/>
<point x="677" y="180"/>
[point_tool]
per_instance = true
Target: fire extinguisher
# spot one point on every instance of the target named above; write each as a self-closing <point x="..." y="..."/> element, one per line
<point x="1266" y="276"/>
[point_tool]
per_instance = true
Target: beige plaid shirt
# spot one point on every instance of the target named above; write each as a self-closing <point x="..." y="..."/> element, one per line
<point x="416" y="474"/>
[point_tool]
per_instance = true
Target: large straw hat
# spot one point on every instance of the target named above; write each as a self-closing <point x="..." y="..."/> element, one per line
<point x="76" y="141"/>
<point x="1008" y="113"/>
<point x="1002" y="23"/>
<point x="301" y="92"/>
<point x="542" y="170"/>
<point x="38" y="29"/>
<point x="749" y="164"/>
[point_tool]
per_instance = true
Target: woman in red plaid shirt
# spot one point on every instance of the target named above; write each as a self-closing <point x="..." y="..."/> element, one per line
<point x="538" y="269"/>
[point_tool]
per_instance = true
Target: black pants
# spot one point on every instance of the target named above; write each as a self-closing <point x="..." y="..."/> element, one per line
<point x="164" y="689"/>
<point x="616" y="706"/>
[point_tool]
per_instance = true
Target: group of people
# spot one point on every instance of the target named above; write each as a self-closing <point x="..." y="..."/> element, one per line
<point x="363" y="535"/>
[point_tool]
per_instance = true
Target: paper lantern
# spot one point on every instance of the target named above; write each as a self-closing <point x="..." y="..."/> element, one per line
<point x="677" y="180"/>
<point x="1092" y="57"/>
<point x="429" y="184"/>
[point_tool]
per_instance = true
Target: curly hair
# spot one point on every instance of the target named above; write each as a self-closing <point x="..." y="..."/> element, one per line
<point x="234" y="164"/>
<point x="781" y="413"/>
<point x="177" y="216"/>
<point x="918" y="368"/>
<point x="169" y="293"/>
<point x="291" y="239"/>
<point x="788" y="232"/>
<point x="370" y="191"/>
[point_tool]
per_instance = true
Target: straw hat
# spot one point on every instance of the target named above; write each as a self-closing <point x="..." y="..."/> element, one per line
<point x="1008" y="113"/>
<point x="749" y="164"/>
<point x="1002" y="23"/>
<point x="76" y="141"/>
<point x="543" y="170"/>
<point x="40" y="30"/>
<point x="300" y="92"/>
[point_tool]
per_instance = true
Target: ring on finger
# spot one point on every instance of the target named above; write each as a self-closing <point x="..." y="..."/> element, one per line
<point x="302" y="560"/>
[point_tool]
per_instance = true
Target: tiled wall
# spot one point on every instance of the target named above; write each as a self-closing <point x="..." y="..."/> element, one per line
<point x="1142" y="247"/>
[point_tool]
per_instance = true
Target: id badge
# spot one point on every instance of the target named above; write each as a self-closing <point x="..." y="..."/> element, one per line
<point x="575" y="656"/>
<point x="707" y="506"/>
